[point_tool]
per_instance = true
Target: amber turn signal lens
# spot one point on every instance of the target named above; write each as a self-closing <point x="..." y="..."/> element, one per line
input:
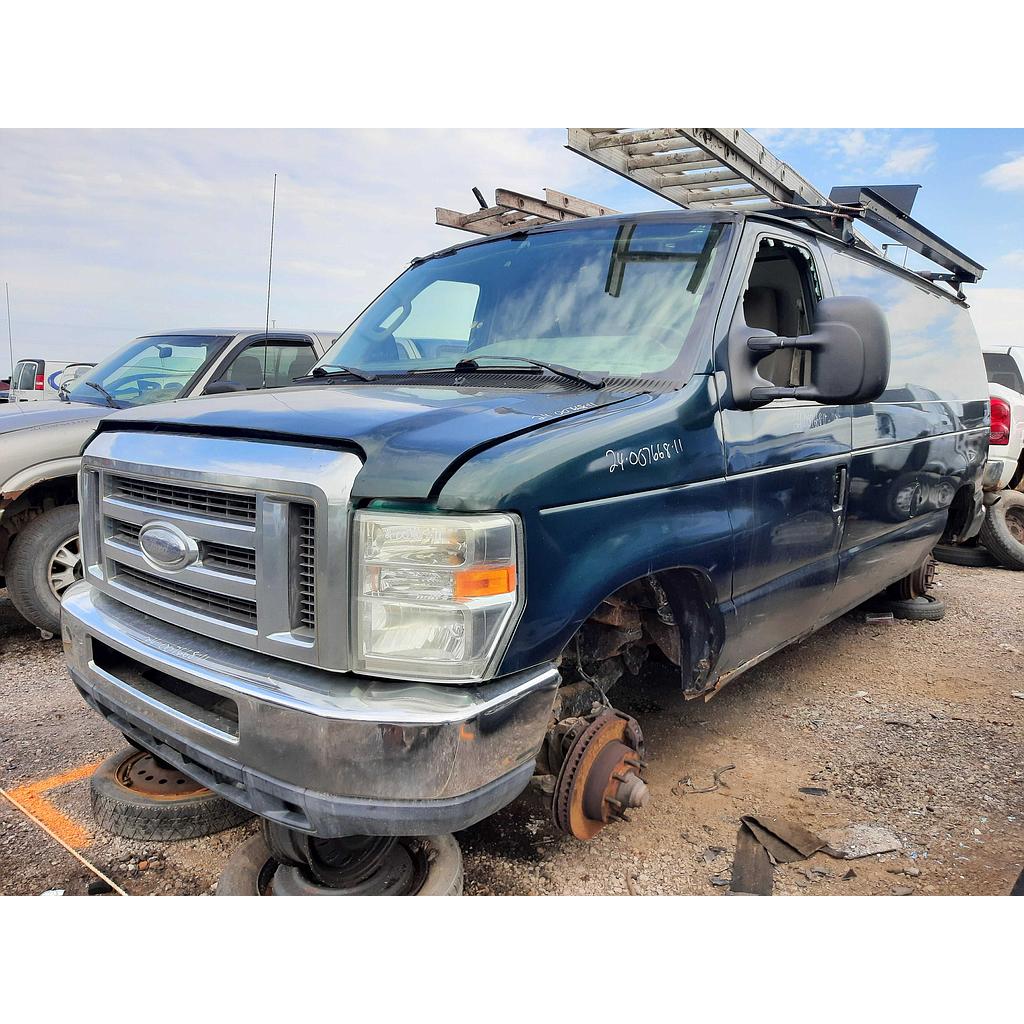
<point x="485" y="582"/>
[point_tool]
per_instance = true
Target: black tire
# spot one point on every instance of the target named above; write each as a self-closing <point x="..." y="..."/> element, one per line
<point x="29" y="561"/>
<point x="251" y="869"/>
<point x="918" y="609"/>
<point x="137" y="815"/>
<point x="1003" y="530"/>
<point x="973" y="555"/>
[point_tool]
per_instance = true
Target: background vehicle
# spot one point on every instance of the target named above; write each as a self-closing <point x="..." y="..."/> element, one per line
<point x="1005" y="366"/>
<point x="1001" y="538"/>
<point x="1006" y="443"/>
<point x="358" y="606"/>
<point x="36" y="380"/>
<point x="71" y="373"/>
<point x="5" y="389"/>
<point x="40" y="448"/>
<point x="1002" y="533"/>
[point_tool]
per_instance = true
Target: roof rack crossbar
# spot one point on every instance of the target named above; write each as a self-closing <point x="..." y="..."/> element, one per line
<point x="877" y="212"/>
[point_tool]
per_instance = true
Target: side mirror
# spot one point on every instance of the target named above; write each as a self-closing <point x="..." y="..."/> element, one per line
<point x="849" y="364"/>
<point x="224" y="387"/>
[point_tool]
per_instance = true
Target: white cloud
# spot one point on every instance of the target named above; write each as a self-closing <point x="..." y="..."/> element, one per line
<point x="909" y="159"/>
<point x="1013" y="259"/>
<point x="1007" y="177"/>
<point x="106" y="234"/>
<point x="855" y="144"/>
<point x="860" y="151"/>
<point x="998" y="315"/>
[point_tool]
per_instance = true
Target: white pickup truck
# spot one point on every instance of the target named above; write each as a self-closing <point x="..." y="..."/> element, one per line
<point x="1003" y="531"/>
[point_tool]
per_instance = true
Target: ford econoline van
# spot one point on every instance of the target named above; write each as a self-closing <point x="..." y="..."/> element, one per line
<point x="375" y="604"/>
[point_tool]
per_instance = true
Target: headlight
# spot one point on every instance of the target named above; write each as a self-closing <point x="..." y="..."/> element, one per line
<point x="435" y="595"/>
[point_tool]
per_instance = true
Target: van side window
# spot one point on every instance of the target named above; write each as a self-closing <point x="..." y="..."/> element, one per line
<point x="934" y="347"/>
<point x="781" y="293"/>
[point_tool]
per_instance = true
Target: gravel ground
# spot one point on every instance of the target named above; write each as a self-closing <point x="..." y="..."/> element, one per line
<point x="910" y="726"/>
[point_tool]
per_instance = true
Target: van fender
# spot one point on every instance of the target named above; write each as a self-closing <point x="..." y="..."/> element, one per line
<point x="674" y="610"/>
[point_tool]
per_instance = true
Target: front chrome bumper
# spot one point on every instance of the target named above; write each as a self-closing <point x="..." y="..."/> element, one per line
<point x="318" y="751"/>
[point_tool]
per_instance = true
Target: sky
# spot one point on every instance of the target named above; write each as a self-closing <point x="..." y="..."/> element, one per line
<point x="105" y="235"/>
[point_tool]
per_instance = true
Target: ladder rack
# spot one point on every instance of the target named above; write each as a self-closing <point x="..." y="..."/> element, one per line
<point x="697" y="167"/>
<point x="702" y="168"/>
<point x="515" y="210"/>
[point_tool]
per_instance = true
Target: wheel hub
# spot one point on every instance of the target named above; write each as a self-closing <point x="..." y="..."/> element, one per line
<point x="394" y="874"/>
<point x="142" y="773"/>
<point x="917" y="583"/>
<point x="1015" y="524"/>
<point x="600" y="778"/>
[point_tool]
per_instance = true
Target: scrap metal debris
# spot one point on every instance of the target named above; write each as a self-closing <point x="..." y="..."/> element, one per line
<point x="716" y="776"/>
<point x="761" y="843"/>
<point x="814" y="790"/>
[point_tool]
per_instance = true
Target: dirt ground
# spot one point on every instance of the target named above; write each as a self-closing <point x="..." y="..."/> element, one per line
<point x="911" y="726"/>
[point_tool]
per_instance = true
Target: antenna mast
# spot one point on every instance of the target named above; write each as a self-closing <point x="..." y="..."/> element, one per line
<point x="270" y="277"/>
<point x="10" y="335"/>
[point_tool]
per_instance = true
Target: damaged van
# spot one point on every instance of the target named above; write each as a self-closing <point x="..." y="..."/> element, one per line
<point x="371" y="606"/>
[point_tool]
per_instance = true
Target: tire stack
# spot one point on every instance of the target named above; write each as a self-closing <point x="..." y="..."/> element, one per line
<point x="136" y="796"/>
<point x="1000" y="543"/>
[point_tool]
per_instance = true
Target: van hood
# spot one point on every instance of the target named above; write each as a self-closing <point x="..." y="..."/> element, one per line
<point x="411" y="438"/>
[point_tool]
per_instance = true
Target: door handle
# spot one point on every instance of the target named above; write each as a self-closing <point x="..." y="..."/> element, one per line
<point x="839" y="489"/>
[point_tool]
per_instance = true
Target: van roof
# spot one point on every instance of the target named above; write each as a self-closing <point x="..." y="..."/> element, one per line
<point x="794" y="220"/>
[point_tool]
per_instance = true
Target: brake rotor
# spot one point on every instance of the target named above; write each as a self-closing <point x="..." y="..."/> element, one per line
<point x="600" y="778"/>
<point x="142" y="773"/>
<point x="916" y="584"/>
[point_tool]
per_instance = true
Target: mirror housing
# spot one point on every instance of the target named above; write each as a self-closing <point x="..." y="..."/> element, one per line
<point x="224" y="387"/>
<point x="850" y="365"/>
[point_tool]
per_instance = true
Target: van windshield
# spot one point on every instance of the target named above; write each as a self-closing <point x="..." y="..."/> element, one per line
<point x="147" y="371"/>
<point x="619" y="299"/>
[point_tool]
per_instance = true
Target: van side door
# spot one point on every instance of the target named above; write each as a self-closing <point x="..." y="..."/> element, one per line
<point x="787" y="462"/>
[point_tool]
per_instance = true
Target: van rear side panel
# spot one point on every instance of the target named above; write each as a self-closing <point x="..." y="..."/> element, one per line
<point x="923" y="440"/>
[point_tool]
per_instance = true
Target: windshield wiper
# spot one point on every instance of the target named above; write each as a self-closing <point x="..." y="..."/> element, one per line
<point x="108" y="397"/>
<point x="332" y="371"/>
<point x="590" y="380"/>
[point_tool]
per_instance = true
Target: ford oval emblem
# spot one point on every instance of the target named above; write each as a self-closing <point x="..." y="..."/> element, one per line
<point x="166" y="547"/>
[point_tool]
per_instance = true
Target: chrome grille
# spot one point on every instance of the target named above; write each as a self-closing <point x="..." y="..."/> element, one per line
<point x="195" y="500"/>
<point x="253" y="519"/>
<point x="218" y="606"/>
<point x="305" y="568"/>
<point x="123" y="533"/>
<point x="228" y="558"/>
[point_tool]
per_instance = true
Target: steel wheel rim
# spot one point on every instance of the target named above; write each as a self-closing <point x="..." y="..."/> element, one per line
<point x="143" y="774"/>
<point x="1015" y="524"/>
<point x="65" y="566"/>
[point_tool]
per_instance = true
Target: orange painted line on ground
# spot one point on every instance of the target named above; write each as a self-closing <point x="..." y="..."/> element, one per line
<point x="30" y="796"/>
